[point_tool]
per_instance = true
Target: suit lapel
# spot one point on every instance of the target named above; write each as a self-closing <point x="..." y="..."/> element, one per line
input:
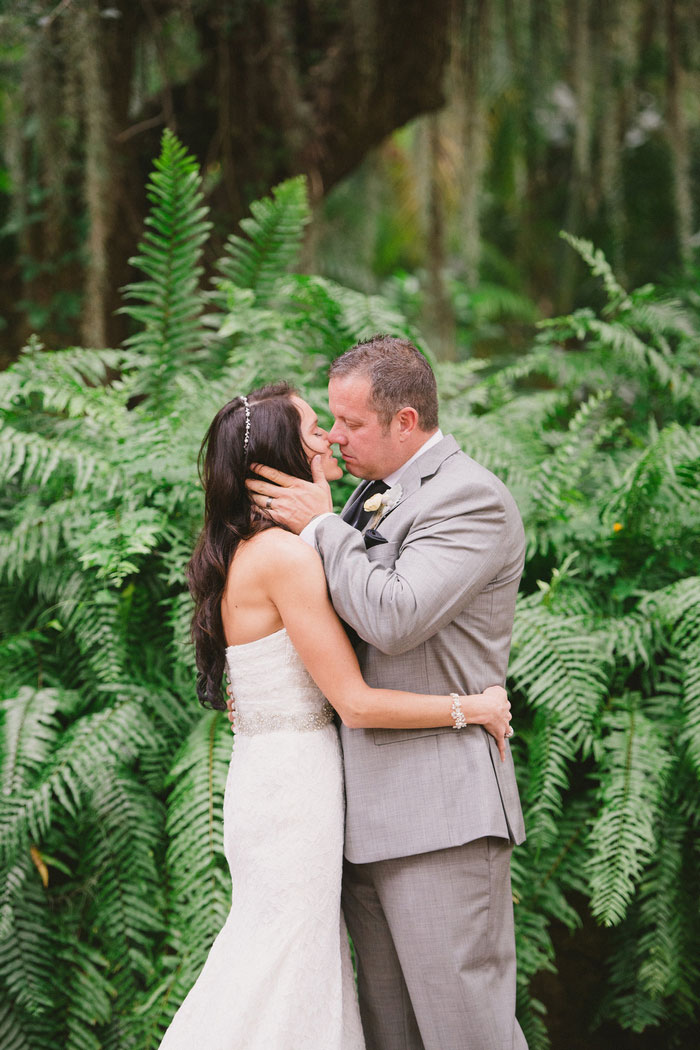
<point x="423" y="467"/>
<point x="354" y="498"/>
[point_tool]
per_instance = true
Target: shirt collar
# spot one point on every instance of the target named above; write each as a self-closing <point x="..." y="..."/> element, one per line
<point x="391" y="479"/>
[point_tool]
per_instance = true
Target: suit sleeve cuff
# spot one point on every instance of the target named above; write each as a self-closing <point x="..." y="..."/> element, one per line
<point x="308" y="533"/>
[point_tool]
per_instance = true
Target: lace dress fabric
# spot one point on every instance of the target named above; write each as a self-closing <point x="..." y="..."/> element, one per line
<point x="279" y="975"/>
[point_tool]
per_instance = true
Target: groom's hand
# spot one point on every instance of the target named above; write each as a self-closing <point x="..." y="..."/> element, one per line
<point x="291" y="501"/>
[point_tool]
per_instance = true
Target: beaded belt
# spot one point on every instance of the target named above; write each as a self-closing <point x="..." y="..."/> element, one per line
<point x="249" y="725"/>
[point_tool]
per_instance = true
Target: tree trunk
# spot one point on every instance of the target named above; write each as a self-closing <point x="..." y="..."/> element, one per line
<point x="678" y="137"/>
<point x="439" y="314"/>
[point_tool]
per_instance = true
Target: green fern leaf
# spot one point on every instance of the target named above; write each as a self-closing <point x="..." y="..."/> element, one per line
<point x="26" y="939"/>
<point x="30" y="730"/>
<point x="599" y="267"/>
<point x="678" y="607"/>
<point x="169" y="256"/>
<point x="562" y="666"/>
<point x="93" y="742"/>
<point x="551" y="752"/>
<point x="199" y="881"/>
<point x="634" y="765"/>
<point x="118" y="854"/>
<point x="274" y="234"/>
<point x="22" y="1031"/>
<point x="89" y="998"/>
<point x="39" y="458"/>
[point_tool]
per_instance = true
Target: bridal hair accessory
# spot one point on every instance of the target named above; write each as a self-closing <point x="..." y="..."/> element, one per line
<point x="381" y="502"/>
<point x="457" y="713"/>
<point x="246" y="436"/>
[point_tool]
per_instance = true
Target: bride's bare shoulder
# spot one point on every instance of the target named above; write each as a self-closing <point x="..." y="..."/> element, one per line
<point x="277" y="549"/>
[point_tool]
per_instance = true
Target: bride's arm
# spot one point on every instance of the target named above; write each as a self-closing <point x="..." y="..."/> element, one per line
<point x="297" y="586"/>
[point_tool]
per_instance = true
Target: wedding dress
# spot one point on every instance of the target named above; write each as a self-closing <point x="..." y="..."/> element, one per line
<point x="279" y="975"/>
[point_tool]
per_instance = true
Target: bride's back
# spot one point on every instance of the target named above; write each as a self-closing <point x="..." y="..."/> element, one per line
<point x="247" y="610"/>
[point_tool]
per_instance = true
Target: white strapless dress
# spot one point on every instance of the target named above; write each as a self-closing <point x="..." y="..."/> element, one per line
<point x="278" y="976"/>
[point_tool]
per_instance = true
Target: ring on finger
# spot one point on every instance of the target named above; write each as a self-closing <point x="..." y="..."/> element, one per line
<point x="268" y="503"/>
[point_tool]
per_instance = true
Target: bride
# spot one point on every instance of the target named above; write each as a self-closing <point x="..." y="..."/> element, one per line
<point x="279" y="975"/>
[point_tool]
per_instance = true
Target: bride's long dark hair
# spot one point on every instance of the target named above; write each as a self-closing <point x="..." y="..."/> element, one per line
<point x="229" y="514"/>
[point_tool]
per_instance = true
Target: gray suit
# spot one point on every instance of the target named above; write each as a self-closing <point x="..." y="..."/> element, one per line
<point x="433" y="607"/>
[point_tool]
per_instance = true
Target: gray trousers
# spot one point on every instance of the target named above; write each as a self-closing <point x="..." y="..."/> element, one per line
<point x="433" y="935"/>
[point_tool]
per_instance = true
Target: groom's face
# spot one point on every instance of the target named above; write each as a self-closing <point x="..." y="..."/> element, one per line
<point x="370" y="449"/>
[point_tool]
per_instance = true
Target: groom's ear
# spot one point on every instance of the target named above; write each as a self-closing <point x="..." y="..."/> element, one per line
<point x="407" y="420"/>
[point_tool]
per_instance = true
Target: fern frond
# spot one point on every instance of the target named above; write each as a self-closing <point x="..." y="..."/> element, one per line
<point x="562" y="666"/>
<point x="26" y="939"/>
<point x="20" y="1030"/>
<point x="94" y="617"/>
<point x="490" y="302"/>
<point x="116" y="539"/>
<point x="599" y="267"/>
<point x="198" y="778"/>
<point x="690" y="734"/>
<point x="665" y="925"/>
<point x="345" y="316"/>
<point x="199" y="881"/>
<point x="661" y="318"/>
<point x="659" y="493"/>
<point x="556" y="488"/>
<point x="551" y="751"/>
<point x="89" y="995"/>
<point x="39" y="458"/>
<point x="507" y="437"/>
<point x="633" y="768"/>
<point x="127" y="908"/>
<point x="30" y="729"/>
<point x="655" y="967"/>
<point x="622" y="340"/>
<point x="635" y="638"/>
<point x="33" y="543"/>
<point x="632" y="1007"/>
<point x="107" y="738"/>
<point x="169" y="256"/>
<point x="66" y="382"/>
<point x="678" y="607"/>
<point x="531" y="1016"/>
<point x="274" y="233"/>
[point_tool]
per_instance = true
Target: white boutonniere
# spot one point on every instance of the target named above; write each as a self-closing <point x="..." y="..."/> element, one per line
<point x="380" y="503"/>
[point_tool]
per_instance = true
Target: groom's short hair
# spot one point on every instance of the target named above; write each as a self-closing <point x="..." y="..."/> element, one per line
<point x="399" y="376"/>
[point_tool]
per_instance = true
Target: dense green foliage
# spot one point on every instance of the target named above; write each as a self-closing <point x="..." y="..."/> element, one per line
<point x="605" y="465"/>
<point x="113" y="878"/>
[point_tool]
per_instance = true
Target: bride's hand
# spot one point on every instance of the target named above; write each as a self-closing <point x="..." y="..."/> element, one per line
<point x="498" y="716"/>
<point x="230" y="701"/>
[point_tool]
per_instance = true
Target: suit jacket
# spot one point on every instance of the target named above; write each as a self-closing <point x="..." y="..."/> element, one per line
<point x="433" y="608"/>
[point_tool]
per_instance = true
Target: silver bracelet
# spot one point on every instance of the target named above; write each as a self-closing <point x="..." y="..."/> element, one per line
<point x="457" y="713"/>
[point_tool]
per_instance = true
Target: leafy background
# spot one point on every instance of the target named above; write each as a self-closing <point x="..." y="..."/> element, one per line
<point x="114" y="882"/>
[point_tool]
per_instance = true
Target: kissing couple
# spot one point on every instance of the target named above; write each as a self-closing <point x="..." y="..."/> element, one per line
<point x="371" y="780"/>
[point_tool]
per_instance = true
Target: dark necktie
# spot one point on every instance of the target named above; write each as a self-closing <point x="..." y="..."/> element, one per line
<point x="359" y="517"/>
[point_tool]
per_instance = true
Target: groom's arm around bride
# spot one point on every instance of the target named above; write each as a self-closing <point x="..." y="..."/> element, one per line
<point x="431" y="814"/>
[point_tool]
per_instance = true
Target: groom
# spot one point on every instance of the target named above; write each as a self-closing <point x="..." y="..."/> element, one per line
<point x="427" y="579"/>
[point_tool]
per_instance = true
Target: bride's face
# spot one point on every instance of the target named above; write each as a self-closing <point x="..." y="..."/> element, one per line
<point x="316" y="441"/>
